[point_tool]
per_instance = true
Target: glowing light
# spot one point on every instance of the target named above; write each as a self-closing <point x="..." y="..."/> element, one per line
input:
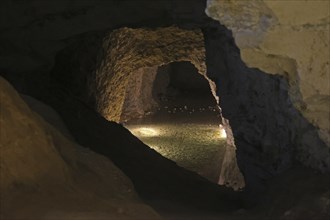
<point x="145" y="132"/>
<point x="223" y="133"/>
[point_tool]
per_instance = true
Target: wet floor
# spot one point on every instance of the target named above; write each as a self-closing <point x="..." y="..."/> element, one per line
<point x="186" y="134"/>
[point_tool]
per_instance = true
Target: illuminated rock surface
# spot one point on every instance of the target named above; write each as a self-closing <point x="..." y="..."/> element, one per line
<point x="264" y="127"/>
<point x="128" y="50"/>
<point x="46" y="176"/>
<point x="185" y="125"/>
<point x="287" y="38"/>
<point x="276" y="115"/>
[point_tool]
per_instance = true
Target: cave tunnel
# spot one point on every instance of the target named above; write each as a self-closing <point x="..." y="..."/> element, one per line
<point x="139" y="109"/>
<point x="175" y="113"/>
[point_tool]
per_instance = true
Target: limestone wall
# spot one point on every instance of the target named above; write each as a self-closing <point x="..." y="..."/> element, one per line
<point x="138" y="95"/>
<point x="290" y="38"/>
<point x="126" y="50"/>
<point x="279" y="37"/>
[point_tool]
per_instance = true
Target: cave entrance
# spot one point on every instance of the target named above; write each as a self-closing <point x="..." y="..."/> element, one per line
<point x="171" y="109"/>
<point x="131" y="60"/>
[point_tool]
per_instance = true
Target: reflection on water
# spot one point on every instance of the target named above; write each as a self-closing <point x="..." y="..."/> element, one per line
<point x="197" y="147"/>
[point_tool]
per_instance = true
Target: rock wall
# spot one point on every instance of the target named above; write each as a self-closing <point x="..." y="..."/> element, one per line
<point x="127" y="50"/>
<point x="290" y="39"/>
<point x="268" y="132"/>
<point x="33" y="32"/>
<point x="148" y="87"/>
<point x="21" y="152"/>
<point x="261" y="113"/>
<point x="46" y="176"/>
<point x="139" y="98"/>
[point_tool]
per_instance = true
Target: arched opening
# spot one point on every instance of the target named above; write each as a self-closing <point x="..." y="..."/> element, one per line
<point x="171" y="108"/>
<point x="134" y="55"/>
<point x="278" y="120"/>
<point x="128" y="60"/>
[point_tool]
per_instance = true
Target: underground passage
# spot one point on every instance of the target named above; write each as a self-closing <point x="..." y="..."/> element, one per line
<point x="164" y="109"/>
<point x="182" y="122"/>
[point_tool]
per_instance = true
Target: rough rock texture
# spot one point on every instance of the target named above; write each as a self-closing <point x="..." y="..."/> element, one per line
<point x="231" y="174"/>
<point x="33" y="32"/>
<point x="46" y="176"/>
<point x="155" y="178"/>
<point x="139" y="98"/>
<point x="121" y="68"/>
<point x="149" y="87"/>
<point x="261" y="114"/>
<point x="268" y="131"/>
<point x="127" y="50"/>
<point x="287" y="38"/>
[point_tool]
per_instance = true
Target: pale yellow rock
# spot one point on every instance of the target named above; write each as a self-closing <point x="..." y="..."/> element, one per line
<point x="290" y="38"/>
<point x="298" y="12"/>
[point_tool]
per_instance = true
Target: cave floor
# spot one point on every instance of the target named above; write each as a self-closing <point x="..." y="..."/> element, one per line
<point x="187" y="134"/>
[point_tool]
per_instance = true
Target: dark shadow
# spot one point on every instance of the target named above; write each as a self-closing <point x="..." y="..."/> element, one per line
<point x="155" y="178"/>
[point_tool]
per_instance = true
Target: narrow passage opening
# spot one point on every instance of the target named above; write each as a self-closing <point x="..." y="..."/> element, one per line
<point x="177" y="116"/>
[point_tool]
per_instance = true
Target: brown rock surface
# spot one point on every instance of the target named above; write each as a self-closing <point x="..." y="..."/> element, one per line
<point x="127" y="50"/>
<point x="268" y="131"/>
<point x="46" y="176"/>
